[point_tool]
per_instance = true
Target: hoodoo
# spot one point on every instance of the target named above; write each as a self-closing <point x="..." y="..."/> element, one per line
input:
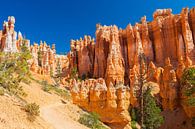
<point x="167" y="43"/>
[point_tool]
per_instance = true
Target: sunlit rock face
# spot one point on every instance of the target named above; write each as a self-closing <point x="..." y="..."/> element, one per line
<point x="110" y="102"/>
<point x="45" y="61"/>
<point x="82" y="55"/>
<point x="10" y="40"/>
<point x="168" y="35"/>
<point x="168" y="45"/>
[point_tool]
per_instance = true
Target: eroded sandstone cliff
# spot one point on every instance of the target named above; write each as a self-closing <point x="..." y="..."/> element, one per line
<point x="168" y="45"/>
<point x="166" y="36"/>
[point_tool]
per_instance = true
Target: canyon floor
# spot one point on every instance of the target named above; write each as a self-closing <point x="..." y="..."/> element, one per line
<point x="55" y="113"/>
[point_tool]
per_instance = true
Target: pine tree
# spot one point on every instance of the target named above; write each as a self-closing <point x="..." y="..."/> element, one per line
<point x="152" y="116"/>
<point x="142" y="81"/>
<point x="14" y="69"/>
<point x="146" y="113"/>
<point x="188" y="85"/>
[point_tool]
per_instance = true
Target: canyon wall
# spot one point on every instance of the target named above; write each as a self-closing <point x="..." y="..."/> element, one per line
<point x="168" y="45"/>
<point x="115" y="49"/>
<point x="112" y="102"/>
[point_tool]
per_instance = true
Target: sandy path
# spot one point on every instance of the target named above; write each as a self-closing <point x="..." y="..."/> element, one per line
<point x="59" y="118"/>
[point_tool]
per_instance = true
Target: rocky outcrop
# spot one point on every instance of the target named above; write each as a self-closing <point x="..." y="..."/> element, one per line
<point x="110" y="102"/>
<point x="187" y="34"/>
<point x="167" y="43"/>
<point x="94" y="95"/>
<point x="169" y="87"/>
<point x="115" y="64"/>
<point x="146" y="41"/>
<point x="82" y="52"/>
<point x="101" y="50"/>
<point x="166" y="36"/>
<point x="45" y="61"/>
<point x="10" y="40"/>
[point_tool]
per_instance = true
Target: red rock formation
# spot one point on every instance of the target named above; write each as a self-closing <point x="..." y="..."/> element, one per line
<point x="146" y="42"/>
<point x="8" y="37"/>
<point x="131" y="47"/>
<point x="167" y="35"/>
<point x="169" y="88"/>
<point x="115" y="63"/>
<point x="192" y="22"/>
<point x="111" y="103"/>
<point x="82" y="52"/>
<point x="168" y="45"/>
<point x="187" y="34"/>
<point x="45" y="61"/>
<point x="101" y="50"/>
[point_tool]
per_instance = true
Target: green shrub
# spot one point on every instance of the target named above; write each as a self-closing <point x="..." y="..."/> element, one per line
<point x="63" y="93"/>
<point x="14" y="69"/>
<point x="188" y="85"/>
<point x="55" y="89"/>
<point x="91" y="120"/>
<point x="74" y="72"/>
<point x="45" y="86"/>
<point x="32" y="110"/>
<point x="152" y="117"/>
<point x="134" y="117"/>
<point x="2" y="91"/>
<point x="134" y="114"/>
<point x="133" y="125"/>
<point x="188" y="76"/>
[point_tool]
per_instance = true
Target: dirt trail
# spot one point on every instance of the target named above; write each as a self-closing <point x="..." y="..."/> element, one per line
<point x="60" y="115"/>
<point x="57" y="115"/>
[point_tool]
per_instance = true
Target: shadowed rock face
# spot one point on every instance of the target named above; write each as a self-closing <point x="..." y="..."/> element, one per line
<point x="168" y="44"/>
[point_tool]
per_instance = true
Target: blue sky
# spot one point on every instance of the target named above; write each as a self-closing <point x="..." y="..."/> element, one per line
<point x="58" y="21"/>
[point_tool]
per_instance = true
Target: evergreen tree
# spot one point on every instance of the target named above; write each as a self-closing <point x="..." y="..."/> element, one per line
<point x="188" y="85"/>
<point x="152" y="116"/>
<point x="146" y="111"/>
<point x="14" y="69"/>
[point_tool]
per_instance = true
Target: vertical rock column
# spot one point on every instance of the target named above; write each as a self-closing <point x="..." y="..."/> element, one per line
<point x="101" y="50"/>
<point x="131" y="46"/>
<point x="84" y="63"/>
<point x="158" y="40"/>
<point x="187" y="34"/>
<point x="115" y="64"/>
<point x="170" y="38"/>
<point x="146" y="42"/>
<point x="192" y="22"/>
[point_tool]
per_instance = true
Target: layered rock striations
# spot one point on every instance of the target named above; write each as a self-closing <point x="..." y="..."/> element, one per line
<point x="167" y="43"/>
<point x="110" y="102"/>
<point x="166" y="36"/>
